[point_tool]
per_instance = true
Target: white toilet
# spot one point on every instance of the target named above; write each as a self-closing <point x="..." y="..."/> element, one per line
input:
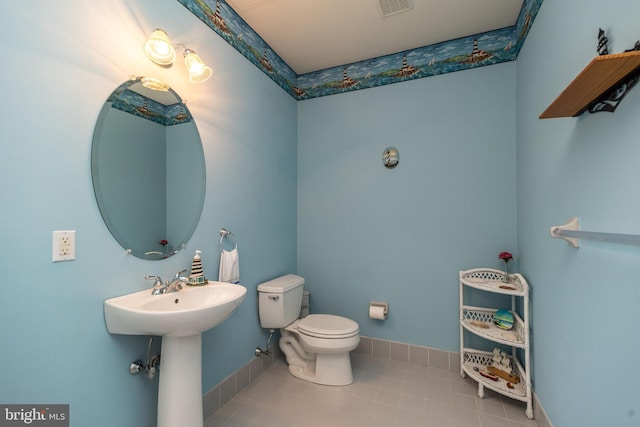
<point x="316" y="347"/>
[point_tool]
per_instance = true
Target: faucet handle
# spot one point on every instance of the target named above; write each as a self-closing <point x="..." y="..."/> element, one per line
<point x="177" y="276"/>
<point x="158" y="286"/>
<point x="153" y="277"/>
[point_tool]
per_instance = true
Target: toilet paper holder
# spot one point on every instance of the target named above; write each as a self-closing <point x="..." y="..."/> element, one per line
<point x="384" y="305"/>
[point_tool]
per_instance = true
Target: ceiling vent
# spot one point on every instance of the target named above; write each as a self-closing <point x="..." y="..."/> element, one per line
<point x="242" y="5"/>
<point x="393" y="7"/>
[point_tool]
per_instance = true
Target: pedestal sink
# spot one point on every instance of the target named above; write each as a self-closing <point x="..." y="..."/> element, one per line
<point x="180" y="318"/>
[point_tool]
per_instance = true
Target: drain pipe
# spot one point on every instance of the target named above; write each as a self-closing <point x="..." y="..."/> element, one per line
<point x="267" y="352"/>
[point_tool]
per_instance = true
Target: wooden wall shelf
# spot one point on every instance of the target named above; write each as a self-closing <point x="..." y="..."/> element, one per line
<point x="603" y="73"/>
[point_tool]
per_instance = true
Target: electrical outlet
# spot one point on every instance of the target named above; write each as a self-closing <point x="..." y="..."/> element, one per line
<point x="64" y="245"/>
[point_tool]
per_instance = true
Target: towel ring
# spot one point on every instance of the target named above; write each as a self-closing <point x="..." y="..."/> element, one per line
<point x="226" y="233"/>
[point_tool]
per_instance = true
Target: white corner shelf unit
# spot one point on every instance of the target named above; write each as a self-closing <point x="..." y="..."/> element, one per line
<point x="479" y="321"/>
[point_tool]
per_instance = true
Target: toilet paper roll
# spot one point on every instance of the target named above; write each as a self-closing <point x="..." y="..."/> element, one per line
<point x="376" y="312"/>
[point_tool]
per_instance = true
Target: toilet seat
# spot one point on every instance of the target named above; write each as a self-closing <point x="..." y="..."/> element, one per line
<point x="327" y="326"/>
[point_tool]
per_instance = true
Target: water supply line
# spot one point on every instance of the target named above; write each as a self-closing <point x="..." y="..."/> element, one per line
<point x="149" y="367"/>
<point x="267" y="352"/>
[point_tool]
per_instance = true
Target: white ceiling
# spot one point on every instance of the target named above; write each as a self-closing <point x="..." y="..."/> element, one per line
<point x="311" y="35"/>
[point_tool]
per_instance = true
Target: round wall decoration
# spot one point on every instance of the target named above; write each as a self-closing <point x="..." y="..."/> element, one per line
<point x="390" y="157"/>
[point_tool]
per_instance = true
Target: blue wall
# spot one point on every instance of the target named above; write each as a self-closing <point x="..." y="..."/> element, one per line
<point x="61" y="61"/>
<point x="369" y="233"/>
<point x="585" y="301"/>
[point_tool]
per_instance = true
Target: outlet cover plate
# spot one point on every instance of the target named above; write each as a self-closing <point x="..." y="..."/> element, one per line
<point x="64" y="245"/>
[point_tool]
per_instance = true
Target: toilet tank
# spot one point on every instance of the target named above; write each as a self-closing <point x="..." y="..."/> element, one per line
<point x="279" y="301"/>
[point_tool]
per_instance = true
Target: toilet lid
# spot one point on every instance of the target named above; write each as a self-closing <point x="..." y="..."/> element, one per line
<point x="328" y="326"/>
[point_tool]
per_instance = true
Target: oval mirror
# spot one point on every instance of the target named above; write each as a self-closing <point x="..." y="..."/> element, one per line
<point x="148" y="169"/>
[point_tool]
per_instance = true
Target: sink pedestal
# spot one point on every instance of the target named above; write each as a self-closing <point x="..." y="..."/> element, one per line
<point x="179" y="318"/>
<point x="180" y="388"/>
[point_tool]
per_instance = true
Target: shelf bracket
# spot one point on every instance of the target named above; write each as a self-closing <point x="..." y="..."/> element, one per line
<point x="610" y="100"/>
<point x="572" y="234"/>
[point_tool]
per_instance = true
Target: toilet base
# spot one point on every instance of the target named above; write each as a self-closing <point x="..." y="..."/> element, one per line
<point x="327" y="369"/>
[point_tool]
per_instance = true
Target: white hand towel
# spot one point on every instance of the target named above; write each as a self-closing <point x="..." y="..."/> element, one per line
<point x="229" y="266"/>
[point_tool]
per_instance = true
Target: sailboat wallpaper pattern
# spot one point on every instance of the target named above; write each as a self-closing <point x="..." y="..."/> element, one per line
<point x="477" y="50"/>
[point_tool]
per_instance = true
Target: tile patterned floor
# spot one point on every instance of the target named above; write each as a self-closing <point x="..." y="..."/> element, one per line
<point x="385" y="393"/>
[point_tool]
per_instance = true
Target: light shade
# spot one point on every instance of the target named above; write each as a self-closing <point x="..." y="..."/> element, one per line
<point x="198" y="71"/>
<point x="158" y="48"/>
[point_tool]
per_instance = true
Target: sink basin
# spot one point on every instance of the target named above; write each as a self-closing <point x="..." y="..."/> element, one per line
<point x="190" y="311"/>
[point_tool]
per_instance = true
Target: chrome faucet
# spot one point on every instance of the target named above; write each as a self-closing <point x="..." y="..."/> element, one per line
<point x="161" y="287"/>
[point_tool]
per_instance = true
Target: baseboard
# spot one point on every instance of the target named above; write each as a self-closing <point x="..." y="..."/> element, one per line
<point x="402" y="352"/>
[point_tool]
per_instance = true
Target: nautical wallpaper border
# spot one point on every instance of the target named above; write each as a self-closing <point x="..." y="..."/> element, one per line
<point x="477" y="50"/>
<point x="124" y="99"/>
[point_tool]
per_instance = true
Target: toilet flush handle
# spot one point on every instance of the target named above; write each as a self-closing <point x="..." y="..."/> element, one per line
<point x="274" y="297"/>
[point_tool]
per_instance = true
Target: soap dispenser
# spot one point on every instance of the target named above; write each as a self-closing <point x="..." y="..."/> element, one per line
<point x="197" y="275"/>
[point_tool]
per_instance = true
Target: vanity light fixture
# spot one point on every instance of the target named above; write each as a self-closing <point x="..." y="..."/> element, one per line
<point x="198" y="70"/>
<point x="158" y="48"/>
